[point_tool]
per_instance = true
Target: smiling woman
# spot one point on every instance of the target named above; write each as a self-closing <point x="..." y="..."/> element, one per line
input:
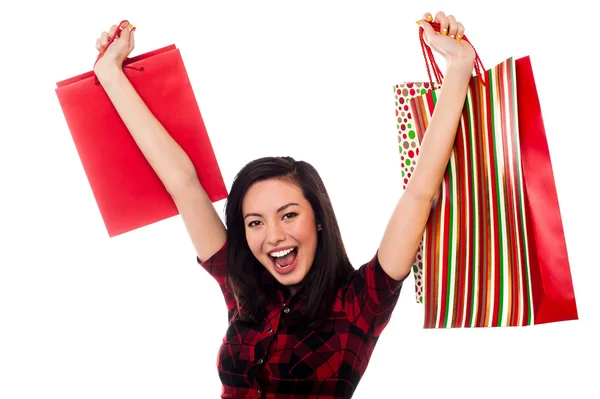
<point x="302" y="319"/>
<point x="303" y="322"/>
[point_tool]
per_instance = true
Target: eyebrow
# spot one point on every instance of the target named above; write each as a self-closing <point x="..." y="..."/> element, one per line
<point x="282" y="208"/>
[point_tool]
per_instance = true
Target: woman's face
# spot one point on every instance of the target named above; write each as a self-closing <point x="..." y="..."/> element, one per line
<point x="280" y="229"/>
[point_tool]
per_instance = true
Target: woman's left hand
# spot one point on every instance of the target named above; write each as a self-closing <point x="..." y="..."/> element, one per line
<point x="448" y="41"/>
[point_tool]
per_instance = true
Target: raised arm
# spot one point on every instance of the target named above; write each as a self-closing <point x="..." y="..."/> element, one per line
<point x="167" y="158"/>
<point x="407" y="223"/>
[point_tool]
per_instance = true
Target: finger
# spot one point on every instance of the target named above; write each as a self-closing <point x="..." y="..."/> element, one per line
<point x="111" y="31"/>
<point x="99" y="45"/>
<point x="452" y="26"/>
<point x="132" y="40"/>
<point x="428" y="31"/>
<point x="104" y="39"/>
<point x="441" y="18"/>
<point x="427" y="17"/>
<point x="460" y="31"/>
<point x="125" y="33"/>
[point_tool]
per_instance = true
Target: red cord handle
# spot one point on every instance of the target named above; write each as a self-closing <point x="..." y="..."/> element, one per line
<point x="429" y="58"/>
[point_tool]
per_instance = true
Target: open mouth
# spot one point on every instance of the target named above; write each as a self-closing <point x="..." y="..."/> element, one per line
<point x="284" y="259"/>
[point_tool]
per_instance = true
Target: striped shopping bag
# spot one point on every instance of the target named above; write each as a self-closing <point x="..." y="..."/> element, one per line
<point x="493" y="252"/>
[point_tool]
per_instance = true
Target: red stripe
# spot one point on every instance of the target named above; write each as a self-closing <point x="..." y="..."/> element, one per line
<point x="430" y="283"/>
<point x="444" y="252"/>
<point x="462" y="187"/>
<point x="482" y="211"/>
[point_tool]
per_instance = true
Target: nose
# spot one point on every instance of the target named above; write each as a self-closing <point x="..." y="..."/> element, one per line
<point x="275" y="234"/>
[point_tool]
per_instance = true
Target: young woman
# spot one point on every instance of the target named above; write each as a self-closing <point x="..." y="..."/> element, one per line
<point x="303" y="322"/>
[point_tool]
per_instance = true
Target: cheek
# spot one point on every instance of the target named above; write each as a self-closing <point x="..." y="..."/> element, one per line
<point x="304" y="231"/>
<point x="255" y="240"/>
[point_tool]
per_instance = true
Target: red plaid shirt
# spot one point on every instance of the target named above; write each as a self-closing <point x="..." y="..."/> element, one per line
<point x="277" y="359"/>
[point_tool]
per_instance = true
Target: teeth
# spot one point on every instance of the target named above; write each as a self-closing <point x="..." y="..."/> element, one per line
<point x="281" y="253"/>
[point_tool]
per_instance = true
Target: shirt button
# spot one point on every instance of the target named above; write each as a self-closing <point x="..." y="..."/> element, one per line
<point x="258" y="392"/>
<point x="260" y="361"/>
<point x="286" y="310"/>
<point x="269" y="330"/>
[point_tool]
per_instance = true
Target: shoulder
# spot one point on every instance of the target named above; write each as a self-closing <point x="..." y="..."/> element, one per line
<point x="372" y="275"/>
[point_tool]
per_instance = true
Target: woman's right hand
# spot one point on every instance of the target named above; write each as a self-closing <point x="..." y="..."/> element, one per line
<point x="448" y="42"/>
<point x="118" y="50"/>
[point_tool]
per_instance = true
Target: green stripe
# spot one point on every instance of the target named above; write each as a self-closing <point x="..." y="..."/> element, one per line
<point x="493" y="80"/>
<point x="450" y="239"/>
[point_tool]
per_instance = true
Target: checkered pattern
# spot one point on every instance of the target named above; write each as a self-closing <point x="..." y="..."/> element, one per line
<point x="279" y="359"/>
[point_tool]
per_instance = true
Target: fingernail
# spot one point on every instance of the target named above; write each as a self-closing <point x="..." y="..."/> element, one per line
<point x="418" y="22"/>
<point x="458" y="37"/>
<point x="452" y="36"/>
<point x="124" y="24"/>
<point x="129" y="26"/>
<point x="429" y="18"/>
<point x="444" y="32"/>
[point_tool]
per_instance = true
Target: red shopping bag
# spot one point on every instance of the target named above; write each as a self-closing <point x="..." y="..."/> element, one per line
<point x="552" y="287"/>
<point x="128" y="193"/>
<point x="493" y="252"/>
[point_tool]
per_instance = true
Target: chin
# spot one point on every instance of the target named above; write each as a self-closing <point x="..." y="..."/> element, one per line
<point x="288" y="277"/>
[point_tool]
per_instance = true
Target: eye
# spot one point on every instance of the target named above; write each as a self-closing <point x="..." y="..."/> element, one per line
<point x="290" y="215"/>
<point x="253" y="223"/>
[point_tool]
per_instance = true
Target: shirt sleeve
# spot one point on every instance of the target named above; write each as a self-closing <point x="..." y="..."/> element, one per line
<point x="216" y="266"/>
<point x="371" y="296"/>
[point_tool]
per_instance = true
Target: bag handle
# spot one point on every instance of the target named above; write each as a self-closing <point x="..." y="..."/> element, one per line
<point x="114" y="37"/>
<point x="429" y="58"/>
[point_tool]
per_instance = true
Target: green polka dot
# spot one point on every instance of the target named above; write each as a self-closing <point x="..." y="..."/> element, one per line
<point x="400" y="148"/>
<point x="396" y="103"/>
<point x="411" y="134"/>
<point x="421" y="299"/>
<point x="409" y="126"/>
<point x="402" y="171"/>
<point x="423" y="91"/>
<point x="397" y="126"/>
<point x="408" y="162"/>
<point x="415" y="268"/>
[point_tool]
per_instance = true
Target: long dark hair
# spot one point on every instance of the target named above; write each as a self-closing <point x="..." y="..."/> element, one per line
<point x="331" y="265"/>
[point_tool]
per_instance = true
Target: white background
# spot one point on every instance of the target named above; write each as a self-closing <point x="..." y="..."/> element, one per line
<point x="85" y="316"/>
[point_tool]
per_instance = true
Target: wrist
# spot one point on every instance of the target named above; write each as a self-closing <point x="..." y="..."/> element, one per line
<point x="460" y="67"/>
<point x="107" y="73"/>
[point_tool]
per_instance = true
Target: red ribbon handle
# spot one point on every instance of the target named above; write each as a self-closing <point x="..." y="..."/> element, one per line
<point x="429" y="58"/>
<point x="122" y="25"/>
<point x="115" y="36"/>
